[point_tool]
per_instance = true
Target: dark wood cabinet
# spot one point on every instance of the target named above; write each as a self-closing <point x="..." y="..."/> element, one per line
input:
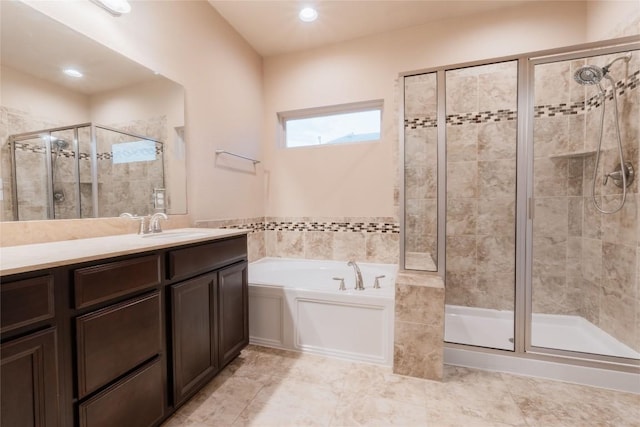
<point x="195" y="347"/>
<point x="234" y="314"/>
<point x="29" y="381"/>
<point x="116" y="339"/>
<point x="135" y="401"/>
<point x="123" y="340"/>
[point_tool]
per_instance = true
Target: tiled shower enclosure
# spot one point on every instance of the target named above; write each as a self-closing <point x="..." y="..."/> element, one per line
<point x="522" y="233"/>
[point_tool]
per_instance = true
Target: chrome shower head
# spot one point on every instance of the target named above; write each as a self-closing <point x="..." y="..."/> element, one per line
<point x="60" y="144"/>
<point x="589" y="75"/>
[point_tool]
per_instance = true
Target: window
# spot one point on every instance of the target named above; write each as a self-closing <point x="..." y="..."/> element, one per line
<point x="339" y="124"/>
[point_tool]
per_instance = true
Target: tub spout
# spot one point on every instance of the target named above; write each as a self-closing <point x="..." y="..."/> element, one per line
<point x="359" y="283"/>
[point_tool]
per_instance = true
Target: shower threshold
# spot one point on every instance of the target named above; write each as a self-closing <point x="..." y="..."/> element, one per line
<point x="494" y="329"/>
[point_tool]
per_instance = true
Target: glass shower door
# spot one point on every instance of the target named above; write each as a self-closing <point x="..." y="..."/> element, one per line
<point x="481" y="142"/>
<point x="584" y="284"/>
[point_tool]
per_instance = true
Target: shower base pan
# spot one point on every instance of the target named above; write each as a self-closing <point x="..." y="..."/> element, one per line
<point x="494" y="328"/>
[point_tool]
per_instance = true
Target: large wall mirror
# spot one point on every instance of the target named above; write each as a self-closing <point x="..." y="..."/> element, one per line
<point x="98" y="145"/>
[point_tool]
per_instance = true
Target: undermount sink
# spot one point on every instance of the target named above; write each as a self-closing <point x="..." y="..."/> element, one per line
<point x="174" y="234"/>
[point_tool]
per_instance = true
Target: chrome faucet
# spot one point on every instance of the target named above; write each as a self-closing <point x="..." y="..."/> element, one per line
<point x="154" y="222"/>
<point x="359" y="283"/>
<point x="144" y="228"/>
<point x="148" y="224"/>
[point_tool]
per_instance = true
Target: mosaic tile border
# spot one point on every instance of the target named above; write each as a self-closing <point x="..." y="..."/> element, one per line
<point x="326" y="226"/>
<point x="563" y="109"/>
<point x="37" y="149"/>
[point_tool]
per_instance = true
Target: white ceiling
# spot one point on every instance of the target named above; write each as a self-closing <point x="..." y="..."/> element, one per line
<point x="272" y="26"/>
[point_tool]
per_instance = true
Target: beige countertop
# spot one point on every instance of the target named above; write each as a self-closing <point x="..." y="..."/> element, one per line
<point x="20" y="259"/>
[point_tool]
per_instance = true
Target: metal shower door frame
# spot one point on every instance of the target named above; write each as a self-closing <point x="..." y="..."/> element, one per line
<point x="525" y="204"/>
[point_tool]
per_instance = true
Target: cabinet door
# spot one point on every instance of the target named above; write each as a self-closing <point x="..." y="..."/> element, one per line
<point x="29" y="378"/>
<point x="193" y="320"/>
<point x="234" y="313"/>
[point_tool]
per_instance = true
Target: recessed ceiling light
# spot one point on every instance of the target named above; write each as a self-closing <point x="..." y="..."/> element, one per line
<point x="308" y="14"/>
<point x="115" y="7"/>
<point x="72" y="73"/>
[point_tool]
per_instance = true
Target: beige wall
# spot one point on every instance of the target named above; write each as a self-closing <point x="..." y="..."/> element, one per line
<point x="358" y="180"/>
<point x="191" y="44"/>
<point x="39" y="98"/>
<point x="609" y="19"/>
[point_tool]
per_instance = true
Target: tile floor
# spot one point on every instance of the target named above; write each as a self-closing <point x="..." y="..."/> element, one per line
<point x="267" y="387"/>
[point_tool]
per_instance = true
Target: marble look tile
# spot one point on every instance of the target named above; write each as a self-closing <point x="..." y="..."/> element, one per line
<point x="418" y="350"/>
<point x="552" y="83"/>
<point x="379" y="381"/>
<point x="497" y="141"/>
<point x="318" y="244"/>
<point x="592" y="259"/>
<point x="461" y="254"/>
<point x="496" y="216"/>
<point x="420" y="95"/>
<point x="462" y="179"/>
<point x="461" y="216"/>
<point x="256" y="246"/>
<point x="551" y="216"/>
<point x="415" y="147"/>
<point x="290" y="402"/>
<point x="462" y="143"/>
<point x="550" y="296"/>
<point x="290" y="244"/>
<point x="347" y="246"/>
<point x="498" y="90"/>
<point x="550" y="136"/>
<point x="550" y="177"/>
<point x="419" y="279"/>
<point x="553" y="403"/>
<point x="550" y="255"/>
<point x="460" y="287"/>
<point x="223" y="405"/>
<point x="591" y="218"/>
<point x="462" y="94"/>
<point x="383" y="248"/>
<point x="419" y="304"/>
<point x="376" y="411"/>
<point x="495" y="291"/>
<point x="621" y="226"/>
<point x="616" y="309"/>
<point x="574" y="257"/>
<point x="618" y="268"/>
<point x="496" y="179"/>
<point x="420" y="182"/>
<point x="575" y="210"/>
<point x="373" y="395"/>
<point x="496" y="254"/>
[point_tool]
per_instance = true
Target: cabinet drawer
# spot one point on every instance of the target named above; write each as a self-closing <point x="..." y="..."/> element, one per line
<point x="135" y="401"/>
<point x="198" y="259"/>
<point x="104" y="282"/>
<point x="116" y="339"/>
<point x="25" y="302"/>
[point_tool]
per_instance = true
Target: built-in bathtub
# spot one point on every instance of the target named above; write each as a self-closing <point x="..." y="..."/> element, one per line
<point x="295" y="304"/>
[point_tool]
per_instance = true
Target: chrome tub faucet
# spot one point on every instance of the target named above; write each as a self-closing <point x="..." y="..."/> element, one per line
<point x="359" y="283"/>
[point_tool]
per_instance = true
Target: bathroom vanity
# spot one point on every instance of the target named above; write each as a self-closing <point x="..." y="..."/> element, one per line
<point x="118" y="330"/>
